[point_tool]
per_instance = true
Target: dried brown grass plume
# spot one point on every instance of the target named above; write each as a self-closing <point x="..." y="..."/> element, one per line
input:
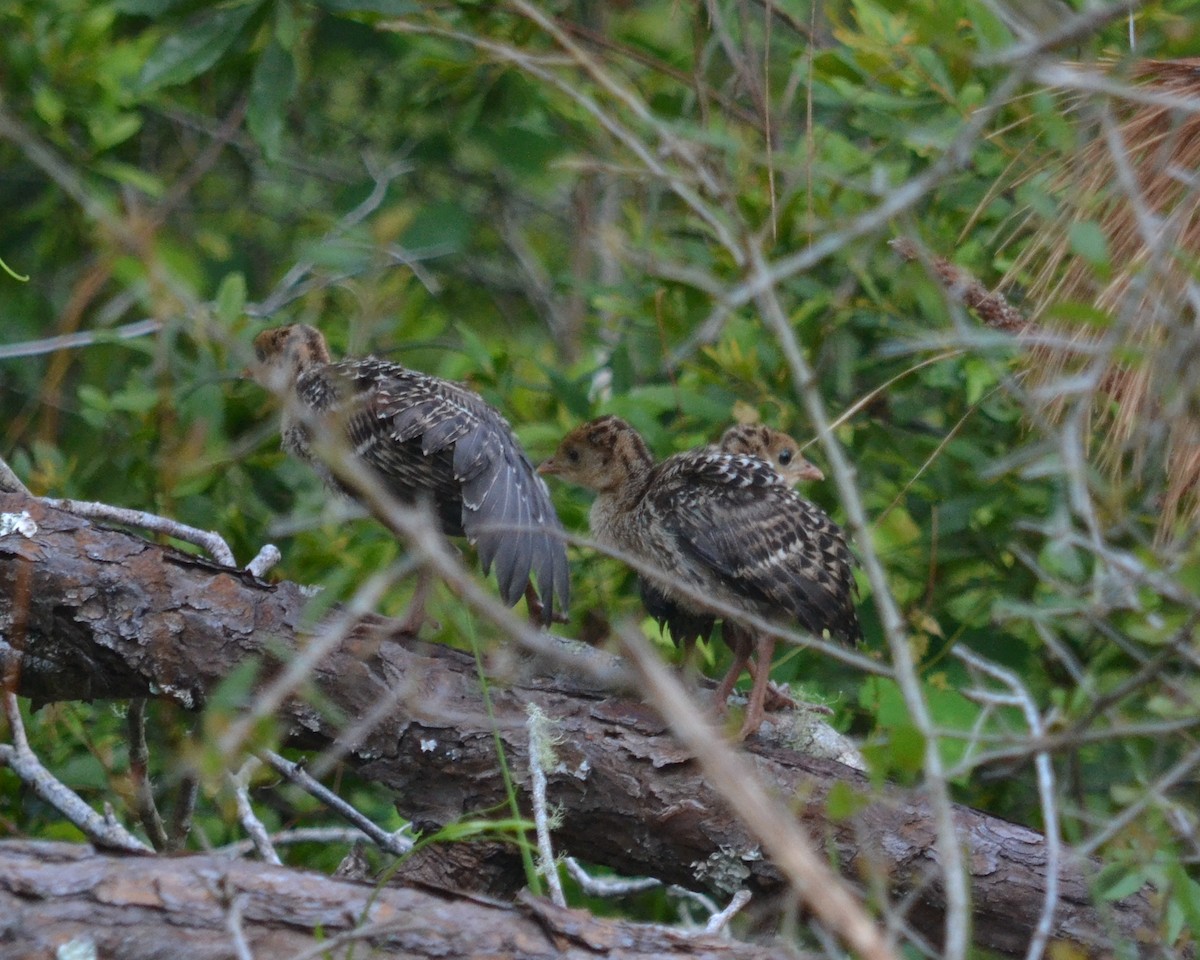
<point x="1136" y="178"/>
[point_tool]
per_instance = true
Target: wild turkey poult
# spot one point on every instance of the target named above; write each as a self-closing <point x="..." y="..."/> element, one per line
<point x="727" y="525"/>
<point x="776" y="447"/>
<point x="426" y="439"/>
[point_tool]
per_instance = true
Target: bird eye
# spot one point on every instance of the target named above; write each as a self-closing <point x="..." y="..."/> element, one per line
<point x="573" y="455"/>
<point x="785" y="457"/>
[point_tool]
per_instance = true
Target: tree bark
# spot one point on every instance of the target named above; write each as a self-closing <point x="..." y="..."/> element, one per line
<point x="90" y="613"/>
<point x="195" y="908"/>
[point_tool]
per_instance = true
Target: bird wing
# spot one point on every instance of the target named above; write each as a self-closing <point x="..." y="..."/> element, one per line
<point x="476" y="465"/>
<point x="734" y="519"/>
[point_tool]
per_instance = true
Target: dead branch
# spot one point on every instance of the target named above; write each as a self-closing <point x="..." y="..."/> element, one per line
<point x="89" y="613"/>
<point x="54" y="893"/>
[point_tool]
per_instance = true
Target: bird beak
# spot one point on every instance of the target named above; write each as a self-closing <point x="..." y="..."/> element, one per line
<point x="810" y="471"/>
<point x="549" y="466"/>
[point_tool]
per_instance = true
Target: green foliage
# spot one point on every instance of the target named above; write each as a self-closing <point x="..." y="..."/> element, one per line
<point x="517" y="241"/>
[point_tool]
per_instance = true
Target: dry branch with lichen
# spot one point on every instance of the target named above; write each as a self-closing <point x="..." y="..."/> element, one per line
<point x="93" y="613"/>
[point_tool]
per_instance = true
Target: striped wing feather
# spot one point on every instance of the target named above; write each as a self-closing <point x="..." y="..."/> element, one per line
<point x="736" y="519"/>
<point x="432" y="439"/>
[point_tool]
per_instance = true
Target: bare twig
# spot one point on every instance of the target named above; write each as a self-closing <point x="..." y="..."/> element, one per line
<point x="541" y="758"/>
<point x="266" y="558"/>
<point x="84" y="338"/>
<point x="233" y="923"/>
<point x="1020" y="697"/>
<point x="139" y="761"/>
<point x="392" y="843"/>
<point x="240" y="784"/>
<point x="213" y="542"/>
<point x="719" y="921"/>
<point x="10" y="482"/>
<point x="104" y="831"/>
<point x="283" y="838"/>
<point x="185" y="808"/>
<point x="299" y="667"/>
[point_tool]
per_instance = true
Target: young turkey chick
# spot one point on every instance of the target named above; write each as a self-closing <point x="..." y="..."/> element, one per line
<point x="726" y="525"/>
<point x="426" y="439"/>
<point x="774" y="446"/>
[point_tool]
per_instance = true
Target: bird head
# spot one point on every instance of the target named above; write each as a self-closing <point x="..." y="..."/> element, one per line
<point x="282" y="354"/>
<point x="603" y="455"/>
<point x="774" y="446"/>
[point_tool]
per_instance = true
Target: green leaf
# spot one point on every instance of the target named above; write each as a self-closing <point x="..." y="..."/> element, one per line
<point x="189" y="51"/>
<point x="231" y="298"/>
<point x="109" y="129"/>
<point x="271" y="90"/>
<point x="907" y="748"/>
<point x="1116" y="884"/>
<point x="49" y="105"/>
<point x="131" y="176"/>
<point x="1088" y="240"/>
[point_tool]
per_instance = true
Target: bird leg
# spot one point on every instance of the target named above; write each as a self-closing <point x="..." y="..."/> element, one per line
<point x="537" y="610"/>
<point x="764" y="650"/>
<point x="414" y="615"/>
<point x="777" y="697"/>
<point x="739" y="641"/>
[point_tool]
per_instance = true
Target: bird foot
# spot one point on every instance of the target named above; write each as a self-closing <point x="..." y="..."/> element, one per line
<point x="537" y="610"/>
<point x="778" y="697"/>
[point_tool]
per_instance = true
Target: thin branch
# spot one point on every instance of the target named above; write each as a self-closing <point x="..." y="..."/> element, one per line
<point x="630" y="140"/>
<point x="84" y="338"/>
<point x="719" y="921"/>
<point x="1151" y="794"/>
<point x="392" y="843"/>
<point x="139" y="761"/>
<point x="1020" y="697"/>
<point x="541" y="758"/>
<point x="240" y="784"/>
<point x="10" y="482"/>
<point x="265" y="559"/>
<point x="287" y="289"/>
<point x="299" y="668"/>
<point x="104" y="831"/>
<point x="209" y="540"/>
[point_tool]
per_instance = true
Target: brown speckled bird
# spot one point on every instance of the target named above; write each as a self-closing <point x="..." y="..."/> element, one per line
<point x="729" y="526"/>
<point x="774" y="446"/>
<point x="426" y="439"/>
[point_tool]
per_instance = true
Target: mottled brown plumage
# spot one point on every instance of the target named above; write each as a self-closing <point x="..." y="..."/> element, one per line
<point x="430" y="440"/>
<point x="774" y="446"/>
<point x="726" y="524"/>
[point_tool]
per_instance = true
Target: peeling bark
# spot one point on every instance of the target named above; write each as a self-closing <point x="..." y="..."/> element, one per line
<point x="93" y="613"/>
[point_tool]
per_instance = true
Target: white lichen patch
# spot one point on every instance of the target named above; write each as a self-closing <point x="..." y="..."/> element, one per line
<point x="180" y="695"/>
<point x="428" y="745"/>
<point x="81" y="948"/>
<point x="21" y="523"/>
<point x="726" y="869"/>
